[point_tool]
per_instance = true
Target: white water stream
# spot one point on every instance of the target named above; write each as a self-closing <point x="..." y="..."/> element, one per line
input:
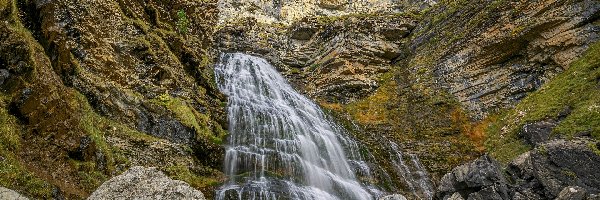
<point x="281" y="144"/>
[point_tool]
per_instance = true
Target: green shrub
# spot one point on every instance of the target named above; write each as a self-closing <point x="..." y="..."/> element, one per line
<point x="182" y="22"/>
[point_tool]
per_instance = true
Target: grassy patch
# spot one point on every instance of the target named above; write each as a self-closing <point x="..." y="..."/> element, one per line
<point x="577" y="89"/>
<point x="594" y="148"/>
<point x="13" y="173"/>
<point x="425" y="120"/>
<point x="372" y="110"/>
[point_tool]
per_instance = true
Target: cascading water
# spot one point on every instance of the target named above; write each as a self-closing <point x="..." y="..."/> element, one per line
<point x="281" y="145"/>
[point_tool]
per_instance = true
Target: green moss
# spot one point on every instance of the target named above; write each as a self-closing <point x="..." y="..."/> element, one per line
<point x="576" y="89"/>
<point x="294" y="70"/>
<point x="183" y="173"/>
<point x="594" y="148"/>
<point x="569" y="173"/>
<point x="14" y="175"/>
<point x="90" y="177"/>
<point x="182" y="22"/>
<point x="191" y="118"/>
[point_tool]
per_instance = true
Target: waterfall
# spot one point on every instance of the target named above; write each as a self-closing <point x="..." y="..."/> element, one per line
<point x="281" y="145"/>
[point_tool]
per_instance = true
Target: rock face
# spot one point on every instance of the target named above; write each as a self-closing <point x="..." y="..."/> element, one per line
<point x="145" y="183"/>
<point x="10" y="194"/>
<point x="336" y="60"/>
<point x="288" y="11"/>
<point x="489" y="55"/>
<point x="555" y="169"/>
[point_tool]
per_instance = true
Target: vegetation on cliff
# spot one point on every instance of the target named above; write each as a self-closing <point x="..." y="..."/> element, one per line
<point x="79" y="96"/>
<point x="572" y="98"/>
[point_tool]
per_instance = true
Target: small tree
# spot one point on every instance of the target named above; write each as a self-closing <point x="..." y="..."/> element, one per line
<point x="182" y="22"/>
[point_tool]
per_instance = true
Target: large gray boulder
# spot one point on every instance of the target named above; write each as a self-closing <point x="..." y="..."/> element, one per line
<point x="145" y="183"/>
<point x="6" y="193"/>
<point x="555" y="169"/>
<point x="561" y="163"/>
<point x="480" y="179"/>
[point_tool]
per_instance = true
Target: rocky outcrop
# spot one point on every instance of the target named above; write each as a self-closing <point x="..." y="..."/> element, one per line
<point x="558" y="169"/>
<point x="10" y="194"/>
<point x="145" y="183"/>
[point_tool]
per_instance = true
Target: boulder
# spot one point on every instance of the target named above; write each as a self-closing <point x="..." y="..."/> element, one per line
<point x="6" y="193"/>
<point x="456" y="196"/>
<point x="469" y="179"/>
<point x="393" y="197"/>
<point x="561" y="163"/>
<point x="3" y="75"/>
<point x="145" y="183"/>
<point x="537" y="132"/>
<point x="556" y="169"/>
<point x="572" y="193"/>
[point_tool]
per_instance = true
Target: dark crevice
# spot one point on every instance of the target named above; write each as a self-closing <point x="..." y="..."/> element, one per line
<point x="60" y="58"/>
<point x="31" y="19"/>
<point x="14" y="107"/>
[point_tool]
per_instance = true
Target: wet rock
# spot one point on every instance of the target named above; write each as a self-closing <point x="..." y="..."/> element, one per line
<point x="3" y="75"/>
<point x="393" y="197"/>
<point x="572" y="193"/>
<point x="537" y="132"/>
<point x="472" y="177"/>
<point x="6" y="193"/>
<point x="145" y="183"/>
